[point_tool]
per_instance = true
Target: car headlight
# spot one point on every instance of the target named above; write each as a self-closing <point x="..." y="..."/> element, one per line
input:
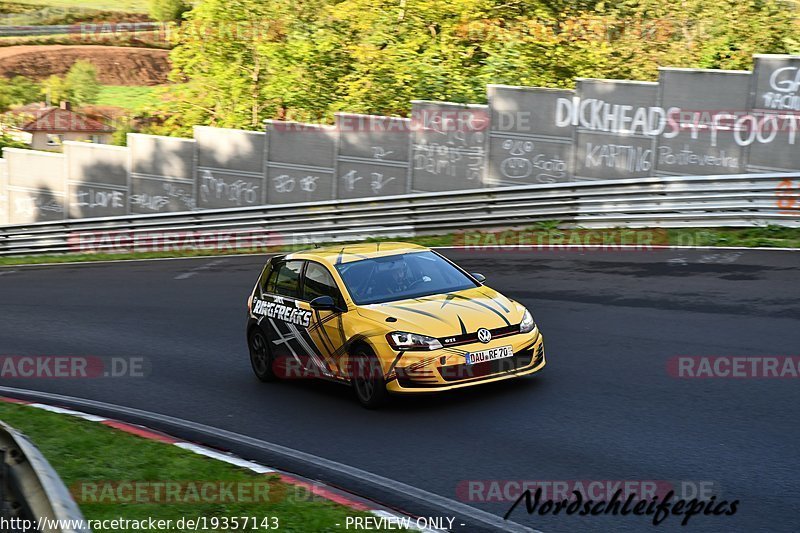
<point x="527" y="324"/>
<point x="400" y="340"/>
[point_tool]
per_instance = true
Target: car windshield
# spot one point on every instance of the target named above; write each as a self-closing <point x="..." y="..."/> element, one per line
<point x="398" y="277"/>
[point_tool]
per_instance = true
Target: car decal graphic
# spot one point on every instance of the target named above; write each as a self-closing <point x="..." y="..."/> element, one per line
<point x="282" y="339"/>
<point x="484" y="305"/>
<point x="284" y="313"/>
<point x="448" y="299"/>
<point x="396" y="360"/>
<point x="455" y="351"/>
<point x="497" y="301"/>
<point x="418" y="311"/>
<point x="422" y="364"/>
<point x="463" y="327"/>
<point x="312" y="352"/>
<point x="333" y="354"/>
<point x="319" y="322"/>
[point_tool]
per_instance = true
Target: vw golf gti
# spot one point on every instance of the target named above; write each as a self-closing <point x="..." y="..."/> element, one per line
<point x="386" y="318"/>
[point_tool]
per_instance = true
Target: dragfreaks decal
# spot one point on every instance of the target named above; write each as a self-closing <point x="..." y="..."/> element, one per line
<point x="285" y="313"/>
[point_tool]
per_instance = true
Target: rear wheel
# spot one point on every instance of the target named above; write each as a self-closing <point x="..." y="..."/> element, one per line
<point x="260" y="356"/>
<point x="368" y="382"/>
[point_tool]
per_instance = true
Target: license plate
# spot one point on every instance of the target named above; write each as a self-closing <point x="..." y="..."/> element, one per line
<point x="492" y="354"/>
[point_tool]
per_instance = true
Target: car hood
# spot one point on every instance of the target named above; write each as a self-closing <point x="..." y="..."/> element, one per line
<point x="443" y="315"/>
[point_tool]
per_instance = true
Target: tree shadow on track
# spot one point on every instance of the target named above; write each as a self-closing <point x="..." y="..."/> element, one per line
<point x="504" y="392"/>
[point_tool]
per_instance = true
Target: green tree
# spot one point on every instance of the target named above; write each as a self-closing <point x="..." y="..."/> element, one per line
<point x="167" y="10"/>
<point x="17" y="91"/>
<point x="6" y="141"/>
<point x="120" y="135"/>
<point x="81" y="83"/>
<point x="237" y="63"/>
<point x="54" y="89"/>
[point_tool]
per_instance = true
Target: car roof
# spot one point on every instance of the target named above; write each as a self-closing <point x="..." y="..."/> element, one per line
<point x="347" y="253"/>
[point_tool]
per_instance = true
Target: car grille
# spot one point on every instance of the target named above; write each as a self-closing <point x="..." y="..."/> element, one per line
<point x="469" y="338"/>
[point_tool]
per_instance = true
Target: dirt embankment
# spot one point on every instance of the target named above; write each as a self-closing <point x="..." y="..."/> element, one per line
<point x="116" y="65"/>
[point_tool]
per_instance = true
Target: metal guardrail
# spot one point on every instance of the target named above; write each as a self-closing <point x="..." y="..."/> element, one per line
<point x="694" y="201"/>
<point x="93" y="30"/>
<point x="31" y="490"/>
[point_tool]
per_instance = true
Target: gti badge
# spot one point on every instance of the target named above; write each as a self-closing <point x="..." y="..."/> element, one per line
<point x="484" y="335"/>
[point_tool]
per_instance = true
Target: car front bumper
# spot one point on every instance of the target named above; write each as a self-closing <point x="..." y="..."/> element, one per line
<point x="527" y="359"/>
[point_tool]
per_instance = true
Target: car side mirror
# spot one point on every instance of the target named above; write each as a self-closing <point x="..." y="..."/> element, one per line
<point x="324" y="303"/>
<point x="479" y="277"/>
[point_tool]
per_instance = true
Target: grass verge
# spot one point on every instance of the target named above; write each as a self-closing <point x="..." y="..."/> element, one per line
<point x="766" y="237"/>
<point x="88" y="453"/>
<point x="134" y="98"/>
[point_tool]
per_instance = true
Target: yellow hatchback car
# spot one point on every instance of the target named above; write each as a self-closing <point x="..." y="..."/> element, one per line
<point x="386" y="318"/>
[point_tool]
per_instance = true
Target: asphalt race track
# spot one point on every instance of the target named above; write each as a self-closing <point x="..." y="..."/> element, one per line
<point x="605" y="407"/>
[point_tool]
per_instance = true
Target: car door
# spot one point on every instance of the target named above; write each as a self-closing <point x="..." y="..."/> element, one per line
<point x="327" y="328"/>
<point x="286" y="317"/>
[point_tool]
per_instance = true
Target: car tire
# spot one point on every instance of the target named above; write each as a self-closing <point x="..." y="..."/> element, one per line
<point x="367" y="380"/>
<point x="261" y="356"/>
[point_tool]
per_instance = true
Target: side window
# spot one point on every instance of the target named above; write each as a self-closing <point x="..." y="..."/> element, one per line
<point x="270" y="286"/>
<point x="318" y="282"/>
<point x="287" y="280"/>
<point x="265" y="276"/>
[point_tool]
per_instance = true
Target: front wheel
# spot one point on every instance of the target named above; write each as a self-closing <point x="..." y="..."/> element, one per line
<point x="368" y="382"/>
<point x="260" y="356"/>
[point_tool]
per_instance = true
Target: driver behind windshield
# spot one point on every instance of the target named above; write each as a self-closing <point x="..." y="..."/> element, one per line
<point x="401" y="277"/>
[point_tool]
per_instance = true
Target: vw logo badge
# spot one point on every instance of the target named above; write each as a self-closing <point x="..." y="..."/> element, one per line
<point x="484" y="335"/>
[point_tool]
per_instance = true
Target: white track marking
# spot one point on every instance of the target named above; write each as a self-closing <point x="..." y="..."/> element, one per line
<point x="195" y="270"/>
<point x="70" y="412"/>
<point x="224" y="457"/>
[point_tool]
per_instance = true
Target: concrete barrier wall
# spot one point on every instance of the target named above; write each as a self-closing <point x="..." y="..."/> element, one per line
<point x="372" y="156"/>
<point x="162" y="174"/>
<point x="36" y="186"/>
<point x="448" y="146"/>
<point x="614" y="137"/>
<point x="230" y="167"/>
<point x="772" y="135"/>
<point x="528" y="143"/>
<point x="97" y="179"/>
<point x="699" y="139"/>
<point x="690" y="122"/>
<point x="3" y="192"/>
<point x="301" y="160"/>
